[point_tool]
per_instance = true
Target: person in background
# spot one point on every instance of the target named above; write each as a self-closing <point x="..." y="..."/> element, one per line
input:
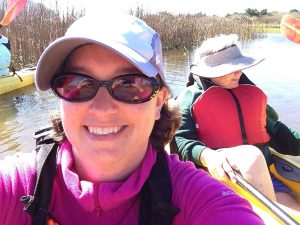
<point x="227" y="125"/>
<point x="106" y="162"/>
<point x="5" y="56"/>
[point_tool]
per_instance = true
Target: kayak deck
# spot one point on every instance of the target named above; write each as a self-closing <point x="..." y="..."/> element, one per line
<point x="290" y="171"/>
<point x="10" y="83"/>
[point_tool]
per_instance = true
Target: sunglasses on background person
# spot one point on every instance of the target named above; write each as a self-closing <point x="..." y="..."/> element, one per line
<point x="129" y="88"/>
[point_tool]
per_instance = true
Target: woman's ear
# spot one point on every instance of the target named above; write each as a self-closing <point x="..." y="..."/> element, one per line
<point x="162" y="97"/>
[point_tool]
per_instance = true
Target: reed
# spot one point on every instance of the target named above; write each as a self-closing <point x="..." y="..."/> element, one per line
<point x="33" y="30"/>
<point x="37" y="26"/>
<point x="188" y="31"/>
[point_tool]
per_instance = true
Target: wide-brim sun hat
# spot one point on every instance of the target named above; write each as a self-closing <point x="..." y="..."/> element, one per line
<point x="126" y="35"/>
<point x="222" y="62"/>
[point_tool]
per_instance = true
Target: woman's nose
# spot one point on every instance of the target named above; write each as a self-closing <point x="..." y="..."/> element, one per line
<point x="237" y="74"/>
<point x="104" y="102"/>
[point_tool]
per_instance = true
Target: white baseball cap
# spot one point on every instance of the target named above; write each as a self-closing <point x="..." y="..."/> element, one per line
<point x="126" y="35"/>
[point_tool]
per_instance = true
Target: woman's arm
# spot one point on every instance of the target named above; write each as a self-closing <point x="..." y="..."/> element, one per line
<point x="17" y="177"/>
<point x="283" y="139"/>
<point x="204" y="200"/>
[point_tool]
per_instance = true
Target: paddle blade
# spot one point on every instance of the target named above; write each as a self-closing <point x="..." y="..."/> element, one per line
<point x="290" y="28"/>
<point x="13" y="9"/>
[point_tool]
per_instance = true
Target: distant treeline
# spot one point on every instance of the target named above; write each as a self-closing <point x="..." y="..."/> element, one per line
<point x="37" y="26"/>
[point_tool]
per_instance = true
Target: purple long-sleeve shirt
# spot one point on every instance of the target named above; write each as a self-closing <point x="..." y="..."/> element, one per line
<point x="201" y="199"/>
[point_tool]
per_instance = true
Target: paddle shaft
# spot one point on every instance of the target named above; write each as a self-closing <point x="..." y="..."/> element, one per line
<point x="278" y="212"/>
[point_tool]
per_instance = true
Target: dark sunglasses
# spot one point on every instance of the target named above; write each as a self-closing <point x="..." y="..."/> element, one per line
<point x="129" y="88"/>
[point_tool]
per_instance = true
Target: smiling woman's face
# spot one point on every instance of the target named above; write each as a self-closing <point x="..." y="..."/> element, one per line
<point x="103" y="130"/>
<point x="228" y="81"/>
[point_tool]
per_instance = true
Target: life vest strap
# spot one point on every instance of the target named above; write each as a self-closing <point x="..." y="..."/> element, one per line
<point x="241" y="119"/>
<point x="156" y="196"/>
<point x="37" y="205"/>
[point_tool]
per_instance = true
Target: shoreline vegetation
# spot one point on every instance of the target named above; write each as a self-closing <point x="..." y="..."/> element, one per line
<point x="36" y="26"/>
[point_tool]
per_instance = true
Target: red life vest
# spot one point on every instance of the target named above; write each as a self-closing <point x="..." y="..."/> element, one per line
<point x="217" y="119"/>
<point x="52" y="222"/>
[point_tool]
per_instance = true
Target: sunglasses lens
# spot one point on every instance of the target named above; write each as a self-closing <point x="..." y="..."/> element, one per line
<point x="127" y="88"/>
<point x="74" y="87"/>
<point x="132" y="89"/>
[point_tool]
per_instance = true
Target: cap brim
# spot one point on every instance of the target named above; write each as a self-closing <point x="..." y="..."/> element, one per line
<point x="55" y="54"/>
<point x="241" y="63"/>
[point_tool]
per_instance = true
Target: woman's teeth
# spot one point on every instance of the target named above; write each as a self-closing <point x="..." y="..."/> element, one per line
<point x="104" y="130"/>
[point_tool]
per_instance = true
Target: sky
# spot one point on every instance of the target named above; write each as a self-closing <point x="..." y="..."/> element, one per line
<point x="209" y="7"/>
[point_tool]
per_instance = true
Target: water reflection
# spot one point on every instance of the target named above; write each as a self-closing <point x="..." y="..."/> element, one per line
<point x="177" y="65"/>
<point x="24" y="111"/>
<point x="279" y="75"/>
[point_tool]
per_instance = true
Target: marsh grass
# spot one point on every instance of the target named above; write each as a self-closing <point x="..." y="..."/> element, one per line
<point x="188" y="31"/>
<point x="36" y="26"/>
<point x="269" y="28"/>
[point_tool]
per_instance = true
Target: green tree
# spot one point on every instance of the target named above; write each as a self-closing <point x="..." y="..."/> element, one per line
<point x="263" y="12"/>
<point x="256" y="13"/>
<point x="294" y="11"/>
<point x="252" y="12"/>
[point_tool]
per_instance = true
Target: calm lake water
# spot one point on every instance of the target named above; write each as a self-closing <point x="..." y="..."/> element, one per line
<point x="25" y="110"/>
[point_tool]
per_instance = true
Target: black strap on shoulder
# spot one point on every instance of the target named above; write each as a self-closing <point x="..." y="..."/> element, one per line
<point x="241" y="119"/>
<point x="156" y="197"/>
<point x="37" y="205"/>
